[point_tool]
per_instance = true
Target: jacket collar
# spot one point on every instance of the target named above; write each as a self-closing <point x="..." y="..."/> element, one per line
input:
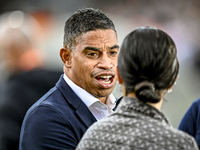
<point x="81" y="110"/>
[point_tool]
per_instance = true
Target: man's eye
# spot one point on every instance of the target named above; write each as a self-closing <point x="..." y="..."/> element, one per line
<point x="113" y="53"/>
<point x="92" y="55"/>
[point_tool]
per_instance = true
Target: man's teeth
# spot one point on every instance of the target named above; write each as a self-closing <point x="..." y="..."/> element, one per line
<point x="106" y="82"/>
<point x="105" y="77"/>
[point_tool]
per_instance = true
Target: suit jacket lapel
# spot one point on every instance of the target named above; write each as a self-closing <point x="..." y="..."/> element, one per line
<point x="83" y="113"/>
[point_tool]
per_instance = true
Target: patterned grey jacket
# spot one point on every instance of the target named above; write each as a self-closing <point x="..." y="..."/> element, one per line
<point x="135" y="126"/>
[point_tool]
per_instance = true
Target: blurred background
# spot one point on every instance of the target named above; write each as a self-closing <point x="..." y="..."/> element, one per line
<point x="180" y="19"/>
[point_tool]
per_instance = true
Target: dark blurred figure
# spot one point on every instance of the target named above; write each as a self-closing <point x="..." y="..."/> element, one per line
<point x="24" y="77"/>
<point x="190" y="122"/>
<point x="147" y="68"/>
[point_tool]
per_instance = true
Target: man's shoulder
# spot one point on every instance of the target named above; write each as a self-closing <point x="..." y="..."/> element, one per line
<point x="194" y="107"/>
<point x="53" y="100"/>
<point x="50" y="113"/>
<point x="196" y="102"/>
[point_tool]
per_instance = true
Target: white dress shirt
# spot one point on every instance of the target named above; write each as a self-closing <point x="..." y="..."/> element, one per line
<point x="98" y="109"/>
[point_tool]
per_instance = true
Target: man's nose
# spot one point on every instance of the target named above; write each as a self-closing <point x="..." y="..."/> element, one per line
<point x="105" y="62"/>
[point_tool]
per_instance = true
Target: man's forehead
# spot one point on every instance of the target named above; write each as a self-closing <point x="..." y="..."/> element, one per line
<point x="98" y="37"/>
<point x="99" y="33"/>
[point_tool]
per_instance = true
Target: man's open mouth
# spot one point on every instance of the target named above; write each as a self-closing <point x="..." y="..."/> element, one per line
<point x="105" y="80"/>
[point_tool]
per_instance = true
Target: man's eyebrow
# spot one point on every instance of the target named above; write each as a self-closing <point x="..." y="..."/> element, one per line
<point x="97" y="49"/>
<point x="91" y="48"/>
<point x="115" y="46"/>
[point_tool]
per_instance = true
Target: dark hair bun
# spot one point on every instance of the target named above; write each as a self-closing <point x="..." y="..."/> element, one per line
<point x="145" y="91"/>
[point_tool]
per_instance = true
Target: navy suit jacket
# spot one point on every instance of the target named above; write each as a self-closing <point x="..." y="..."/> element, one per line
<point x="190" y="122"/>
<point x="57" y="121"/>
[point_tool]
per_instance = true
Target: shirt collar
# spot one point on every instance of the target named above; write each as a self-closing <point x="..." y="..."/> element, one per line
<point x="86" y="97"/>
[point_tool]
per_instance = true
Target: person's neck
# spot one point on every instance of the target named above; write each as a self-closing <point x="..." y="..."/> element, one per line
<point x="156" y="105"/>
<point x="103" y="99"/>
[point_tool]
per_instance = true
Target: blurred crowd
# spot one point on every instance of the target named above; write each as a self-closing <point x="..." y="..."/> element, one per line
<point x="24" y="77"/>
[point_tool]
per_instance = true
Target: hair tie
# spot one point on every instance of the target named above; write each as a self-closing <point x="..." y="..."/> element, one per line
<point x="144" y="84"/>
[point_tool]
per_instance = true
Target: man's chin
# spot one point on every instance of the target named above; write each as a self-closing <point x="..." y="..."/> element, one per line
<point x="104" y="93"/>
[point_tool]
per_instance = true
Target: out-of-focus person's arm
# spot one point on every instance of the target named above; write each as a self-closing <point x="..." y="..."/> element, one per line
<point x="190" y="122"/>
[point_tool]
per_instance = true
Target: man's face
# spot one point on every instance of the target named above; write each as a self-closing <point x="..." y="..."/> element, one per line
<point x="93" y="62"/>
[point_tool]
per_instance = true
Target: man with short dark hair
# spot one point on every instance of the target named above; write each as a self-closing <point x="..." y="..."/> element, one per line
<point x="83" y="93"/>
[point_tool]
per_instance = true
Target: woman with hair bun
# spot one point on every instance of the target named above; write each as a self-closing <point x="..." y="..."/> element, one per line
<point x="147" y="68"/>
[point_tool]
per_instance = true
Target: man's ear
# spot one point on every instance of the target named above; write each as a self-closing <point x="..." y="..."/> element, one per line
<point x="119" y="77"/>
<point x="65" y="55"/>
